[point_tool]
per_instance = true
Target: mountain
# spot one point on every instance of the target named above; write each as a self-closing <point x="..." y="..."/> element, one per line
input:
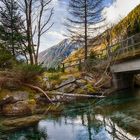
<point x="53" y="56"/>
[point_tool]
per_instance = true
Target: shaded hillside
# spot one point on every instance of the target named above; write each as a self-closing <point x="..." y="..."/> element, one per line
<point x="53" y="56"/>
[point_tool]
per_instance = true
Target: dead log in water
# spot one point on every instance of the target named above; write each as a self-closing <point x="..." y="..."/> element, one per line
<point x="76" y="95"/>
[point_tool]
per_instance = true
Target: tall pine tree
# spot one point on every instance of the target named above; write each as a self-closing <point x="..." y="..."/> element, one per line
<point x="83" y="16"/>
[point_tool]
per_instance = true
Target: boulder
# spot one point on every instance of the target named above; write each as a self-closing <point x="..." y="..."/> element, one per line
<point x="46" y="83"/>
<point x="68" y="88"/>
<point x="20" y="95"/>
<point x="17" y="109"/>
<point x="11" y="124"/>
<point x="16" y="95"/>
<point x="81" y="82"/>
<point x="69" y="85"/>
<point x="7" y="100"/>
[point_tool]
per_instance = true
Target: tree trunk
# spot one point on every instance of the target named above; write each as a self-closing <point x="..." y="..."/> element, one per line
<point x="85" y="29"/>
<point x="28" y="11"/>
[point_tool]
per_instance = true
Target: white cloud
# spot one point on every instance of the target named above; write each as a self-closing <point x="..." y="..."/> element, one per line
<point x="57" y="35"/>
<point x="119" y="9"/>
<point x="54" y="2"/>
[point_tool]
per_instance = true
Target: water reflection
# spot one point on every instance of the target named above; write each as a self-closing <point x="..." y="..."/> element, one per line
<point x="29" y="134"/>
<point x="114" y="118"/>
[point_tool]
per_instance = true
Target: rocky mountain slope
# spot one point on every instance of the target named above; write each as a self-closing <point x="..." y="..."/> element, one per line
<point x="53" y="56"/>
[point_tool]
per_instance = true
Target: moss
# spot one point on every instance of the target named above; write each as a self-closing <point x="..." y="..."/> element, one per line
<point x="90" y="88"/>
<point x="31" y="102"/>
<point x="32" y="105"/>
<point x="31" y="92"/>
<point x="80" y="91"/>
<point x="55" y="76"/>
<point x="4" y="93"/>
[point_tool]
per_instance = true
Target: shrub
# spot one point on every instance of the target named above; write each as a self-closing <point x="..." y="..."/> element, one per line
<point x="92" y="55"/>
<point x="28" y="73"/>
<point x="5" y="58"/>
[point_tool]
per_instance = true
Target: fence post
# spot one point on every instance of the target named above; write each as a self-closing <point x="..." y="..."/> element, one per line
<point x="79" y="66"/>
<point x="63" y="67"/>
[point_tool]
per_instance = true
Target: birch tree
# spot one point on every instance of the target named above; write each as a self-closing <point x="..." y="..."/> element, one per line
<point x="38" y="15"/>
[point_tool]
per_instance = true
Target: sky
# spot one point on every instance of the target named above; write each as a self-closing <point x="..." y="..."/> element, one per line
<point x="114" y="11"/>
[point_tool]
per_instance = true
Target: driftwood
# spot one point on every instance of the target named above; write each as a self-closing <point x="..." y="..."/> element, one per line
<point x="40" y="90"/>
<point x="76" y="95"/>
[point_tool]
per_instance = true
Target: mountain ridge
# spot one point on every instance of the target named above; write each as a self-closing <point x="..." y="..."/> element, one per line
<point x="54" y="55"/>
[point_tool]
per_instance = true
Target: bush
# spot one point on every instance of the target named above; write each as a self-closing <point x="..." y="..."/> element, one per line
<point x="6" y="58"/>
<point x="92" y="55"/>
<point x="28" y="73"/>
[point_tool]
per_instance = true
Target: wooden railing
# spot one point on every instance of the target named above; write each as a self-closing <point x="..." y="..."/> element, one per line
<point x="130" y="44"/>
<point x="111" y="53"/>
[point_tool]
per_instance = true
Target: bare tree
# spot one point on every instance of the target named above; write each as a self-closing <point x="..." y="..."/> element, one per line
<point x="84" y="15"/>
<point x="37" y="15"/>
<point x="42" y="27"/>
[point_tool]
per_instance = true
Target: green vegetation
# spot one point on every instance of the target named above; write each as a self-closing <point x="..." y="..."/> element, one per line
<point x="92" y="55"/>
<point x="130" y="23"/>
<point x="5" y="58"/>
<point x="28" y="73"/>
<point x="90" y="88"/>
<point x="54" y="76"/>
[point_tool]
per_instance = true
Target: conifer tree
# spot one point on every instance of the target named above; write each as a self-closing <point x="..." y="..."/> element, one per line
<point x="83" y="16"/>
<point x="11" y="26"/>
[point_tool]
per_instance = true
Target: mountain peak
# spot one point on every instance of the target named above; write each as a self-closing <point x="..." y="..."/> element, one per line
<point x="53" y="56"/>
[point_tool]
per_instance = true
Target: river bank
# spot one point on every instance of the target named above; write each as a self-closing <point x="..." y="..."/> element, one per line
<point x="23" y="103"/>
<point x="116" y="116"/>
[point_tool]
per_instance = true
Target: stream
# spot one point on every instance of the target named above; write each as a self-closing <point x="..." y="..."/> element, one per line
<point x="114" y="118"/>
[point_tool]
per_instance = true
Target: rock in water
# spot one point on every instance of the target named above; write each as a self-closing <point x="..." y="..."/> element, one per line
<point x="17" y="109"/>
<point x="12" y="124"/>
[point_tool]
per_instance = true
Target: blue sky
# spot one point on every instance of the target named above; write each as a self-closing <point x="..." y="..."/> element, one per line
<point x="114" y="11"/>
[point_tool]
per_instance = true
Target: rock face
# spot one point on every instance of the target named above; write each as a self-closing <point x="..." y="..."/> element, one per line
<point x="53" y="56"/>
<point x="17" y="109"/>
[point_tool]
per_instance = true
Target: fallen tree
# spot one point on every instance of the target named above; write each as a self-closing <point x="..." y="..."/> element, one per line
<point x="38" y="89"/>
<point x="76" y="95"/>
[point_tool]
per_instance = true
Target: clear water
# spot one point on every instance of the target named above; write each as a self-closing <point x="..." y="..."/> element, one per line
<point x="113" y="118"/>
